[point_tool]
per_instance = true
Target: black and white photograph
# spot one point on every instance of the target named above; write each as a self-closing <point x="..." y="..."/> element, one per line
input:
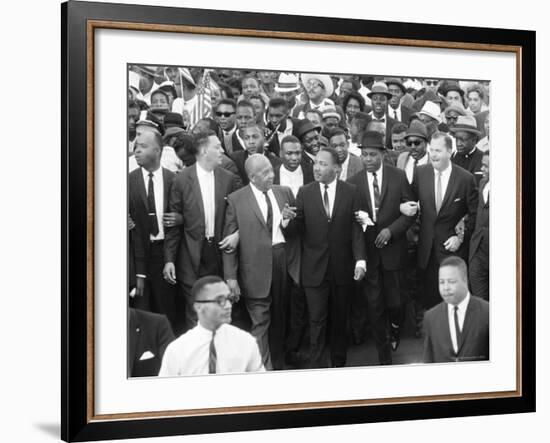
<point x="282" y="220"/>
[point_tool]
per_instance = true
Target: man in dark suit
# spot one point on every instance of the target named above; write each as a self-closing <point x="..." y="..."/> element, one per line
<point x="245" y="114"/>
<point x="457" y="329"/>
<point x="148" y="336"/>
<point x="396" y="109"/>
<point x="279" y="124"/>
<point x="199" y="194"/>
<point x="479" y="243"/>
<point x="467" y="155"/>
<point x="264" y="258"/>
<point x="382" y="189"/>
<point x="149" y="187"/>
<point x="333" y="255"/>
<point x="445" y="194"/>
<point x="310" y="138"/>
<point x="380" y="96"/>
<point x="350" y="164"/>
<point x="254" y="142"/>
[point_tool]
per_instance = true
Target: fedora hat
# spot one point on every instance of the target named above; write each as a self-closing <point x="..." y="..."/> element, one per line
<point x="324" y="79"/>
<point x="379" y="88"/>
<point x="466" y="123"/>
<point x="287" y="82"/>
<point x="303" y="127"/>
<point x="396" y="82"/>
<point x="458" y="109"/>
<point x="417" y="129"/>
<point x="372" y="139"/>
<point x="432" y="110"/>
<point x="450" y="85"/>
<point x="330" y="111"/>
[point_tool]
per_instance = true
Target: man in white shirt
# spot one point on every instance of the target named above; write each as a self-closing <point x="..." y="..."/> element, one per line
<point x="213" y="346"/>
<point x="457" y="329"/>
<point x="349" y="163"/>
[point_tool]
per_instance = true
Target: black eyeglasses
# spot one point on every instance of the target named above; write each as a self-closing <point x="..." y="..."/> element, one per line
<point x="414" y="142"/>
<point x="431" y="82"/>
<point x="224" y="114"/>
<point x="220" y="300"/>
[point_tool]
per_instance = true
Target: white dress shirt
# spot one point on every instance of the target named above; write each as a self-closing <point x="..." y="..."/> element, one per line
<point x="158" y="189"/>
<point x="461" y="314"/>
<point x="354" y="149"/>
<point x="344" y="169"/>
<point x="445" y="175"/>
<point x="381" y="119"/>
<point x="370" y="179"/>
<point x="293" y="179"/>
<point x="409" y="167"/>
<point x="395" y="113"/>
<point x="276" y="232"/>
<point x="485" y="192"/>
<point x="230" y="132"/>
<point x="206" y="183"/>
<point x="236" y="351"/>
<point x="168" y="160"/>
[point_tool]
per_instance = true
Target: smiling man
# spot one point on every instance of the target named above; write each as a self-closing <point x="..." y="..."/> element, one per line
<point x="457" y="329"/>
<point x="380" y="97"/>
<point x="213" y="346"/>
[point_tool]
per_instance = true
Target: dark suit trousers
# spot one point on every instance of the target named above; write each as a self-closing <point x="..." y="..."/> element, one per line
<point x="210" y="264"/>
<point x="159" y="296"/>
<point x="268" y="314"/>
<point x="297" y="316"/>
<point x="328" y="299"/>
<point x="479" y="272"/>
<point x="430" y="283"/>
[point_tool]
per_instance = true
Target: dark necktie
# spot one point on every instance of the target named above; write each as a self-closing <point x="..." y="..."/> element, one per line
<point x="376" y="190"/>
<point x="394" y="114"/>
<point x="326" y="203"/>
<point x="212" y="356"/>
<point x="153" y="222"/>
<point x="415" y="163"/>
<point x="457" y="328"/>
<point x="269" y="220"/>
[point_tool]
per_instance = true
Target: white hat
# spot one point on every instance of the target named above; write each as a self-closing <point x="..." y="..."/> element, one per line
<point x="287" y="83"/>
<point x="432" y="110"/>
<point x="413" y="84"/>
<point x="323" y="78"/>
<point x="330" y="111"/>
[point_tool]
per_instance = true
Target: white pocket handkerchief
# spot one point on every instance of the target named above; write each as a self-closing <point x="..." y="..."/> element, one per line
<point x="147" y="355"/>
<point x="456" y="200"/>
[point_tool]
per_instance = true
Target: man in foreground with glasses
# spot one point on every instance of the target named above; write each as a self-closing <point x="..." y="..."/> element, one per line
<point x="213" y="346"/>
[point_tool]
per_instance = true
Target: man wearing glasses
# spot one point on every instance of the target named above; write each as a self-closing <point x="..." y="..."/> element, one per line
<point x="213" y="346"/>
<point x="416" y="140"/>
<point x="225" y="116"/>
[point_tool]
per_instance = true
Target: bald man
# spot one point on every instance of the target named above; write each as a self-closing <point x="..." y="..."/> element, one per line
<point x="263" y="257"/>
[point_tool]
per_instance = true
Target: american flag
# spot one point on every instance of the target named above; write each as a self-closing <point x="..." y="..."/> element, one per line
<point x="203" y="107"/>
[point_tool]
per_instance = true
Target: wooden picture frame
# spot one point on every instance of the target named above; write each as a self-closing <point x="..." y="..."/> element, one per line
<point x="80" y="20"/>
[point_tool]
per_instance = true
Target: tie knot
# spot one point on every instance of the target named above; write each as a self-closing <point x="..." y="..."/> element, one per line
<point x="265" y="193"/>
<point x="326" y="187"/>
<point x="374" y="174"/>
<point x="151" y="175"/>
<point x="456" y="308"/>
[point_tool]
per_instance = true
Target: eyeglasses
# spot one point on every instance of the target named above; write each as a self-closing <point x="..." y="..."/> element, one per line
<point x="414" y="142"/>
<point x="220" y="300"/>
<point x="224" y="114"/>
<point x="431" y="82"/>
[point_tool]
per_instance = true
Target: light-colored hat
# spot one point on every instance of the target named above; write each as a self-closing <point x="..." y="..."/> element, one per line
<point x="287" y="82"/>
<point x="323" y="78"/>
<point x="413" y="84"/>
<point x="432" y="110"/>
<point x="466" y="123"/>
<point x="330" y="111"/>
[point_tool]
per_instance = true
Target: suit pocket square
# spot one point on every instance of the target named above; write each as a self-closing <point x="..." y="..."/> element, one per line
<point x="147" y="355"/>
<point x="456" y="200"/>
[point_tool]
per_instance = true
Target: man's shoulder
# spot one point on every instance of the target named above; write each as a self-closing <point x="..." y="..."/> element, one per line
<point x="436" y="311"/>
<point x="239" y="193"/>
<point x="479" y="302"/>
<point x="238" y="333"/>
<point x="140" y="317"/>
<point x="462" y="173"/>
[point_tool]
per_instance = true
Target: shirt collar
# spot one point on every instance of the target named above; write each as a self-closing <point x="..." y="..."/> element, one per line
<point x="156" y="173"/>
<point x="203" y="172"/>
<point x="446" y="171"/>
<point x="378" y="171"/>
<point x="297" y="171"/>
<point x="462" y="305"/>
<point x="256" y="191"/>
<point x="331" y="185"/>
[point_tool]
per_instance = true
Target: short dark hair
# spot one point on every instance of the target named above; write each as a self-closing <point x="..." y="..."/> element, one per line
<point x="277" y="102"/>
<point x="456" y="262"/>
<point x="398" y="128"/>
<point x="290" y="139"/>
<point x="245" y="104"/>
<point x="446" y="137"/>
<point x="200" y="139"/>
<point x="336" y="131"/>
<point x="332" y="152"/>
<point x="235" y="83"/>
<point x="355" y="95"/>
<point x="202" y="282"/>
<point x="227" y="101"/>
<point x="253" y="124"/>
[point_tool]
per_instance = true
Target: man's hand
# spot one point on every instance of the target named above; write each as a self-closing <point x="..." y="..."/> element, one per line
<point x="452" y="244"/>
<point x="140" y="286"/>
<point x="359" y="273"/>
<point x="363" y="219"/>
<point x="229" y="243"/>
<point x="131" y="224"/>
<point x="289" y="212"/>
<point x="408" y="208"/>
<point x="171" y="219"/>
<point x="382" y="238"/>
<point x="234" y="288"/>
<point x="169" y="273"/>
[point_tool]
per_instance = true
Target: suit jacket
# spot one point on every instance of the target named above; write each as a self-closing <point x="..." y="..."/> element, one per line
<point x="139" y="212"/>
<point x="406" y="114"/>
<point x="183" y="244"/>
<point x="389" y="124"/>
<point x="470" y="162"/>
<point x="251" y="263"/>
<point x="338" y="242"/>
<point x="355" y="165"/>
<point x="395" y="190"/>
<point x="235" y="143"/>
<point x="307" y="171"/>
<point x="239" y="158"/>
<point x="148" y="336"/>
<point x="460" y="199"/>
<point x="287" y="128"/>
<point x="474" y="345"/>
<point x="480" y="236"/>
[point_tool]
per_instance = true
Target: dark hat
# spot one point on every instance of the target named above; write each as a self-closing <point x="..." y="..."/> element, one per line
<point x="173" y="119"/>
<point x="466" y="123"/>
<point x="379" y="88"/>
<point x="303" y="127"/>
<point x="447" y="86"/>
<point x="147" y="118"/>
<point x="458" y="109"/>
<point x="372" y="139"/>
<point x="161" y="91"/>
<point x="432" y="97"/>
<point x="170" y="132"/>
<point x="397" y="82"/>
<point x="417" y="129"/>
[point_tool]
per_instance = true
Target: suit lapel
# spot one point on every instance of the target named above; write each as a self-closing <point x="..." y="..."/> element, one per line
<point x="430" y="186"/>
<point x="445" y="327"/>
<point x="218" y="199"/>
<point x="469" y="319"/>
<point x="317" y="197"/>
<point x="365" y="185"/>
<point x="254" y="205"/>
<point x="337" y="197"/>
<point x="167" y="179"/>
<point x="141" y="189"/>
<point x="450" y="189"/>
<point x="385" y="180"/>
<point x="194" y="184"/>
